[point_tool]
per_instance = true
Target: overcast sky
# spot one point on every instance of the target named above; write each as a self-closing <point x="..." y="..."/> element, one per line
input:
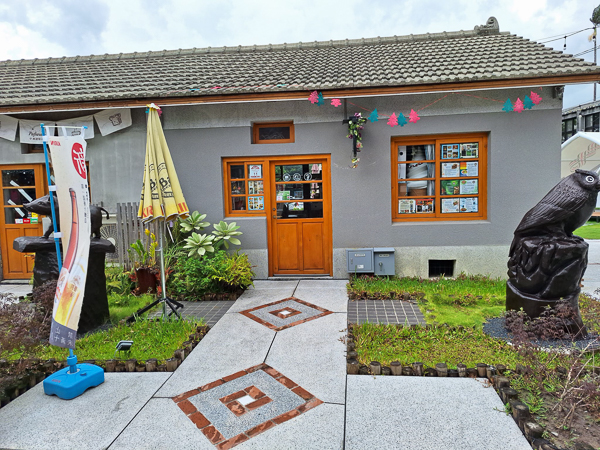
<point x="42" y="28"/>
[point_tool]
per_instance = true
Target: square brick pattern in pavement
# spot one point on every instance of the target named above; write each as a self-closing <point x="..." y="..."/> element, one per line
<point x="217" y="410"/>
<point x="272" y="314"/>
<point x="385" y="311"/>
<point x="211" y="311"/>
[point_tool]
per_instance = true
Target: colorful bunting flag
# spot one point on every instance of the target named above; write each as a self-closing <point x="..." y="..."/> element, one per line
<point x="527" y="103"/>
<point x="374" y="116"/>
<point x="535" y="98"/>
<point x="393" y="120"/>
<point x="507" y="106"/>
<point x="336" y="102"/>
<point x="313" y="97"/>
<point x="518" y="105"/>
<point x="413" y="116"/>
<point x="320" y="99"/>
<point x="402" y="120"/>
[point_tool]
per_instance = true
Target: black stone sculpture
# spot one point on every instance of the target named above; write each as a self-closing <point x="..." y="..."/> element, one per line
<point x="94" y="310"/>
<point x="546" y="262"/>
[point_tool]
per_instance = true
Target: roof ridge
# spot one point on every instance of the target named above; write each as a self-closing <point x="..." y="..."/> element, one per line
<point x="490" y="28"/>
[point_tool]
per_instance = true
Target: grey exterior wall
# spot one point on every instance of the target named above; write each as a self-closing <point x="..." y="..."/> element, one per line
<point x="523" y="164"/>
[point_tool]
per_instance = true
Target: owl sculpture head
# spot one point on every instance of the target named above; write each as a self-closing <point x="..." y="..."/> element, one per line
<point x="588" y="180"/>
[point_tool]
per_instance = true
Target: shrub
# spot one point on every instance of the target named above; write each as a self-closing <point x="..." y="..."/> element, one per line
<point x="118" y="281"/>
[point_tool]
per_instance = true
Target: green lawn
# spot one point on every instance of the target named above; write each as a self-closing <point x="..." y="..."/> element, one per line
<point x="591" y="230"/>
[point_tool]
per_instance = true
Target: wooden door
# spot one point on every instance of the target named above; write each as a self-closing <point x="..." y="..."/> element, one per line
<point x="300" y="216"/>
<point x="20" y="184"/>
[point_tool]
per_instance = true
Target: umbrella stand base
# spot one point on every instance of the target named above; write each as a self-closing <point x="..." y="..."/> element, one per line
<point x="173" y="304"/>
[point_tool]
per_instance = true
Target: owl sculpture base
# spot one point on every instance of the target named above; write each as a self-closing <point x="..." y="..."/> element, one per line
<point x="546" y="261"/>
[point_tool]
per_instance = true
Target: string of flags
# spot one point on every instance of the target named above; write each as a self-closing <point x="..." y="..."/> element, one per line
<point x="529" y="102"/>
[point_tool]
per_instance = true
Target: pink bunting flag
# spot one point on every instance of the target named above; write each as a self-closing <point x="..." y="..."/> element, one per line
<point x="313" y="97"/>
<point x="535" y="98"/>
<point x="336" y="102"/>
<point x="413" y="116"/>
<point x="393" y="120"/>
<point x="518" y="106"/>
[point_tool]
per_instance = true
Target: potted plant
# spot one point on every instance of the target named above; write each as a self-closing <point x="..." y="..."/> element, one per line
<point x="144" y="257"/>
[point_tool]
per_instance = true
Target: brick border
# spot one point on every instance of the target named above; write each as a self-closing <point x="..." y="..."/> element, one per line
<point x="214" y="435"/>
<point x="249" y="315"/>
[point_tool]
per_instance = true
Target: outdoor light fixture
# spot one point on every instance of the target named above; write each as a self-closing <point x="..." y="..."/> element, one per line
<point x="123" y="346"/>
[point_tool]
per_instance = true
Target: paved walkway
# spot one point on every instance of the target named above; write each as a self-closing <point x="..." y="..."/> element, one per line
<point x="271" y="374"/>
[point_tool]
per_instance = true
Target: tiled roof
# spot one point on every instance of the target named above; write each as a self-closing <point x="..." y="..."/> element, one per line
<point x="582" y="107"/>
<point x="483" y="54"/>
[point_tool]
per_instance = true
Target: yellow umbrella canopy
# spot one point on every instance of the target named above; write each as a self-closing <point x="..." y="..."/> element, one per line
<point x="162" y="196"/>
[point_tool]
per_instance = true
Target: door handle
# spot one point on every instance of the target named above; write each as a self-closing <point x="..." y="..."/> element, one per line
<point x="274" y="217"/>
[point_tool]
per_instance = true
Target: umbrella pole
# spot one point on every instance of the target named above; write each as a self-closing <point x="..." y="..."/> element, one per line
<point x="162" y="268"/>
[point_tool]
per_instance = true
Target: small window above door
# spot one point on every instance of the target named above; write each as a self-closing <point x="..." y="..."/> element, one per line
<point x="273" y="133"/>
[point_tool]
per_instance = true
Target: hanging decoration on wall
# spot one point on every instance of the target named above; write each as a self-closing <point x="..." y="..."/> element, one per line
<point x="507" y="106"/>
<point x="535" y="98"/>
<point x="320" y="99"/>
<point x="393" y="121"/>
<point x="355" y="126"/>
<point x="402" y="120"/>
<point x="527" y="103"/>
<point x="336" y="102"/>
<point x="518" y="106"/>
<point x="313" y="97"/>
<point x="413" y="116"/>
<point x="373" y="117"/>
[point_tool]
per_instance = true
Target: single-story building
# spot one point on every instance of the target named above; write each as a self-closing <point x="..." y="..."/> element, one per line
<point x="585" y="117"/>
<point x="463" y="138"/>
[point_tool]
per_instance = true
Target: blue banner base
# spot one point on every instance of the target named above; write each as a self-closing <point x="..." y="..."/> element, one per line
<point x="67" y="385"/>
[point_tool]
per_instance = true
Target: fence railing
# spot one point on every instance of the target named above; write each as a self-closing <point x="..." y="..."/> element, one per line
<point x="129" y="229"/>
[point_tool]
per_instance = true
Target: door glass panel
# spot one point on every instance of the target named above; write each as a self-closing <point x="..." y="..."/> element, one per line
<point x="237" y="171"/>
<point x="16" y="215"/>
<point x="299" y="172"/>
<point x="299" y="210"/>
<point x="298" y="191"/>
<point x="18" y="196"/>
<point x="238" y="203"/>
<point x="22" y="177"/>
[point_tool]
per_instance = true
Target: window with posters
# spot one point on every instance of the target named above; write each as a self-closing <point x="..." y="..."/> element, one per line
<point x="440" y="177"/>
<point x="244" y="187"/>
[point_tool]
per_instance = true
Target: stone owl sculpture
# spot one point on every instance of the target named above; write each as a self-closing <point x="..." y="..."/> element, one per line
<point x="565" y="208"/>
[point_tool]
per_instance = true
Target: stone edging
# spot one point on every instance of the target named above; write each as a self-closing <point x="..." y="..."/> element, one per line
<point x="35" y="371"/>
<point x="494" y="375"/>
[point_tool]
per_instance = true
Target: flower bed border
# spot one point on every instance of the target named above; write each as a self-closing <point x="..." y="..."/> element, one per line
<point x="35" y="371"/>
<point x="494" y="375"/>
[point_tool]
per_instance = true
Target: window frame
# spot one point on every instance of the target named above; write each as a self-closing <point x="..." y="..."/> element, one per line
<point x="256" y="127"/>
<point x="437" y="141"/>
<point x="246" y="161"/>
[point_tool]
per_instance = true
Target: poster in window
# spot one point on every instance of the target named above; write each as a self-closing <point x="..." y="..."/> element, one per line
<point x="469" y="204"/>
<point x="256" y="203"/>
<point x="450" y="151"/>
<point x="255" y="171"/>
<point x="468" y="186"/>
<point x="450" y="187"/>
<point x="283" y="195"/>
<point x="469" y="169"/>
<point x="450" y="170"/>
<point x="296" y="206"/>
<point x="255" y="188"/>
<point x="470" y="150"/>
<point x="450" y="205"/>
<point x="406" y="206"/>
<point x="424" y="206"/>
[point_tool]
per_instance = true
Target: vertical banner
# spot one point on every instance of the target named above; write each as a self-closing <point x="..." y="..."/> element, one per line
<point x="68" y="162"/>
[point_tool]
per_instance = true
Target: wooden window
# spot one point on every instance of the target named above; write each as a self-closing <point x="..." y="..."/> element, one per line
<point x="273" y="133"/>
<point x="440" y="177"/>
<point x="244" y="186"/>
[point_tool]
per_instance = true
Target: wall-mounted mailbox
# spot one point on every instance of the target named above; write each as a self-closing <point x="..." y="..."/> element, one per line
<point x="360" y="260"/>
<point x="384" y="261"/>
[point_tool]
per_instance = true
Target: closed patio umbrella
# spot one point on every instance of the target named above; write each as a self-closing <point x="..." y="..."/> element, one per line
<point x="162" y="198"/>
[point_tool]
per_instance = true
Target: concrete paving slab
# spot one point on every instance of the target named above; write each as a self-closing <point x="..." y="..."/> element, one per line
<point x="254" y="298"/>
<point x="323" y="284"/>
<point x="335" y="299"/>
<point x="233" y="344"/>
<point x="321" y="428"/>
<point x="312" y="356"/>
<point x="593" y="251"/>
<point x="268" y="284"/>
<point x="90" y="421"/>
<point x="161" y="425"/>
<point x="424" y="413"/>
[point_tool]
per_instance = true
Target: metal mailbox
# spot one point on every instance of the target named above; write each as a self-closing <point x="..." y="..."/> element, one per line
<point x="360" y="260"/>
<point x="384" y="261"/>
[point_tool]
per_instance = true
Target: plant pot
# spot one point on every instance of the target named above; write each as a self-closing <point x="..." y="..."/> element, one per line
<point x="146" y="280"/>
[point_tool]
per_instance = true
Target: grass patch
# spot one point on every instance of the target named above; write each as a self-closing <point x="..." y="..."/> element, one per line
<point x="467" y="300"/>
<point x="387" y="343"/>
<point x="151" y="339"/>
<point x="122" y="306"/>
<point x="591" y="230"/>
